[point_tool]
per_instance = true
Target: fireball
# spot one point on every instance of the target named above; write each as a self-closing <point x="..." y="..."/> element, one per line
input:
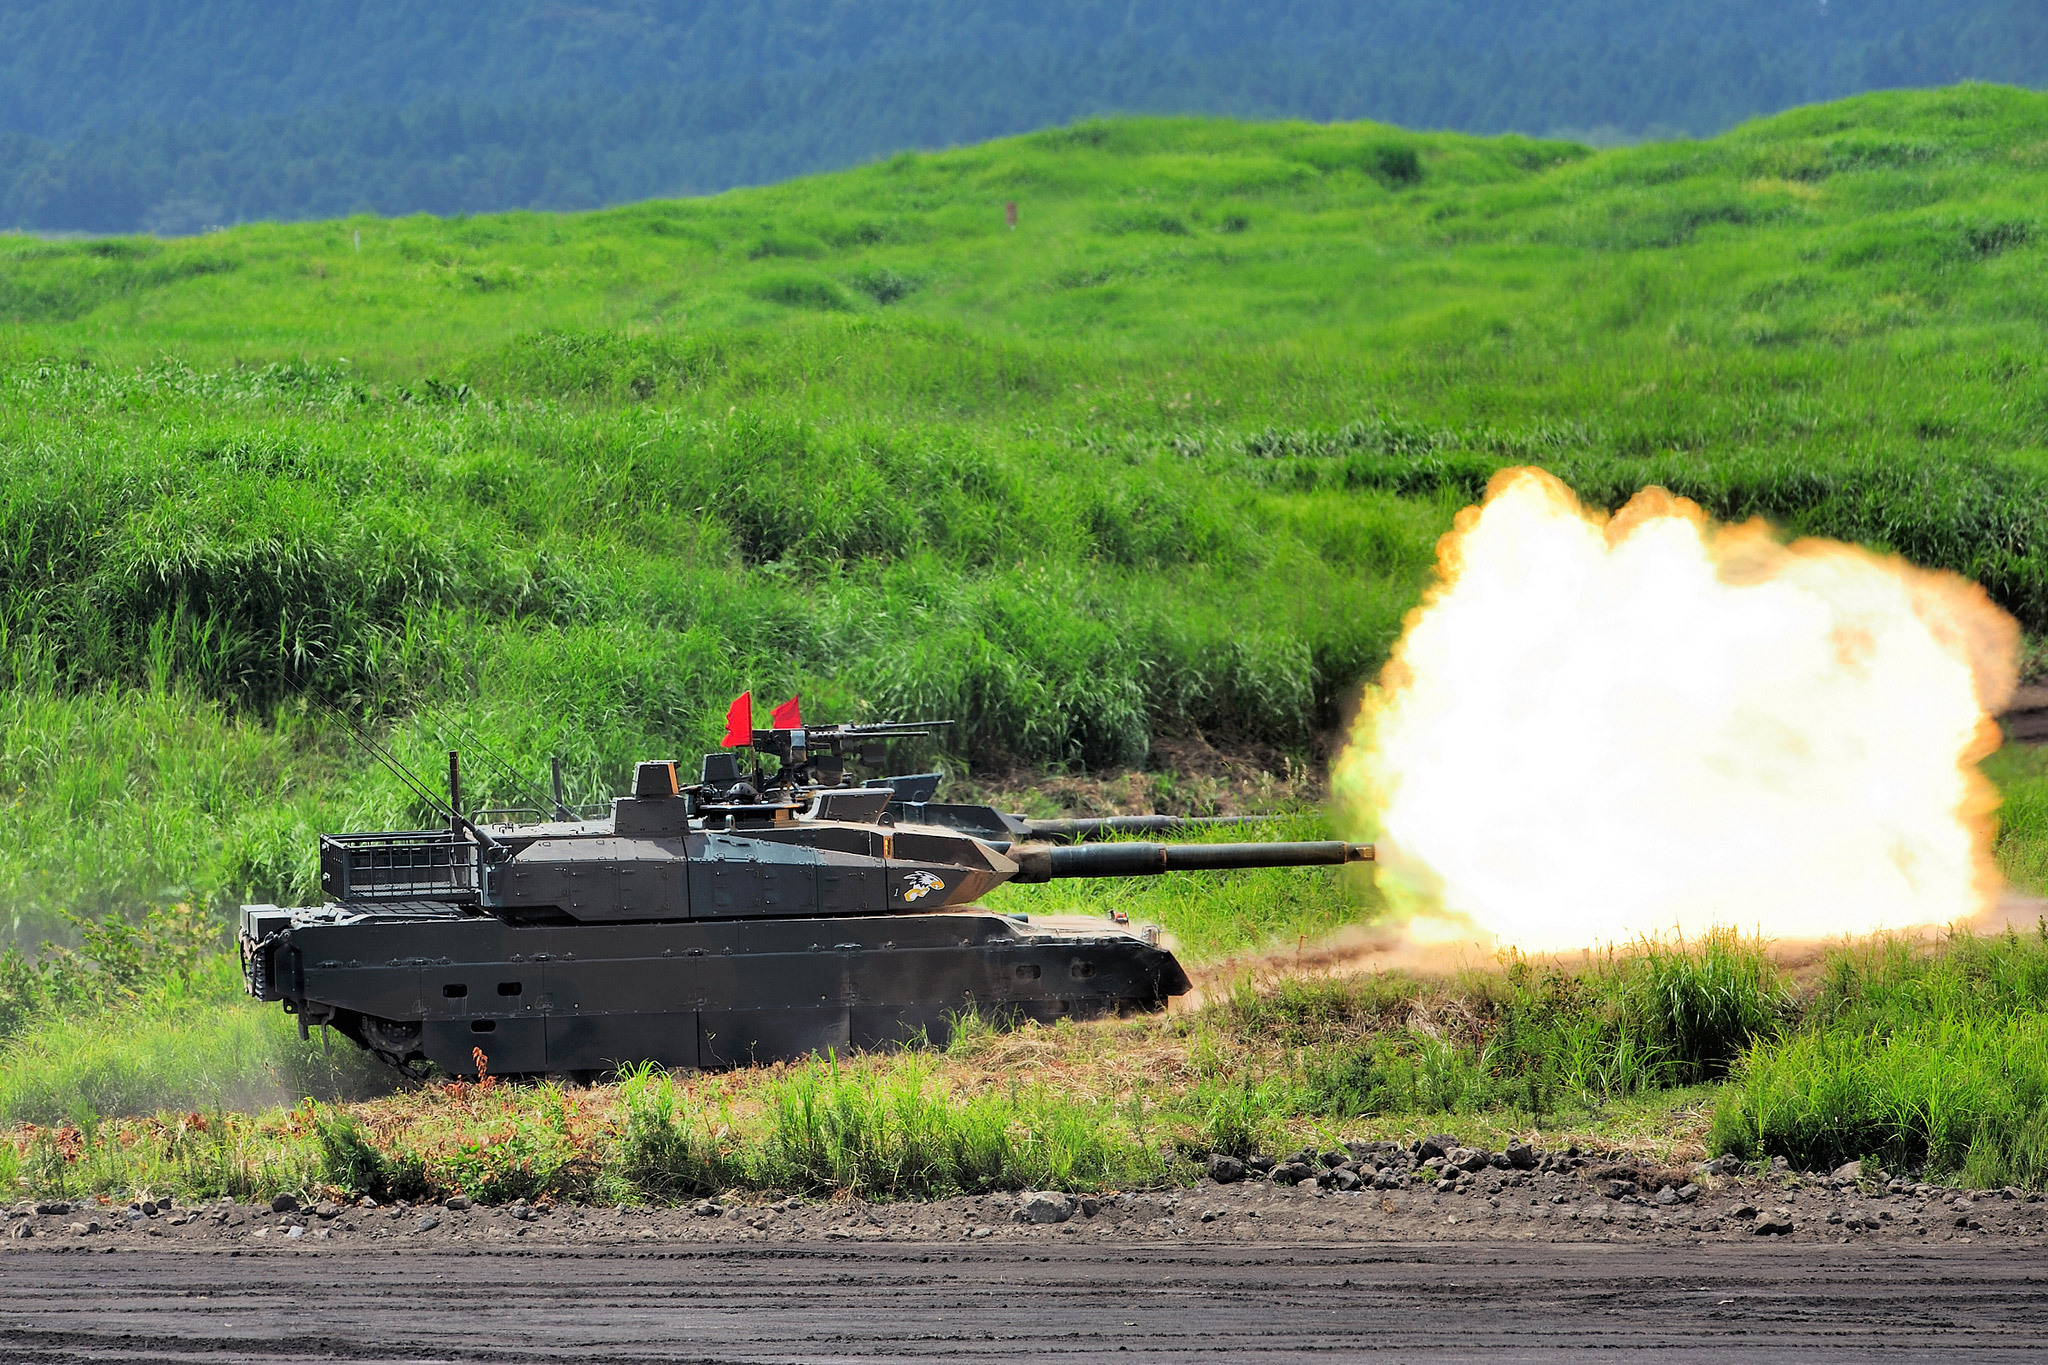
<point x="1598" y="728"/>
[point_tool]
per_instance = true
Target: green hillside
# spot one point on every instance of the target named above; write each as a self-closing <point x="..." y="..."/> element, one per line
<point x="1168" y="458"/>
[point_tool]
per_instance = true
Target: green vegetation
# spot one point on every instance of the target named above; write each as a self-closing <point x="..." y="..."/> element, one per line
<point x="1938" y="1059"/>
<point x="1169" y="460"/>
<point x="1926" y="1061"/>
<point x="578" y="480"/>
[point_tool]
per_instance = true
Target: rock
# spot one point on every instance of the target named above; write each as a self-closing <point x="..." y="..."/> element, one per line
<point x="327" y="1210"/>
<point x="135" y="1217"/>
<point x="427" y="1223"/>
<point x="1446" y="1185"/>
<point x="1344" y="1178"/>
<point x="1617" y="1189"/>
<point x="1291" y="1173"/>
<point x="1470" y="1158"/>
<point x="1687" y="1192"/>
<point x="1520" y="1156"/>
<point x="50" y="1208"/>
<point x="982" y="1232"/>
<point x="1743" y="1211"/>
<point x="1262" y="1165"/>
<point x="458" y="1203"/>
<point x="148" y="1207"/>
<point x="1852" y="1170"/>
<point x="1225" y="1170"/>
<point x="1332" y="1160"/>
<point x="1667" y="1197"/>
<point x="295" y="1232"/>
<point x="524" y="1212"/>
<point x="1721" y="1165"/>
<point x="1044" y="1206"/>
<point x="703" y="1208"/>
<point x="1388" y="1179"/>
<point x="22" y="1231"/>
<point x="1780" y="1166"/>
<point x="284" y="1203"/>
<point x="85" y="1229"/>
<point x="1210" y="1215"/>
<point x="1088" y="1205"/>
<point x="1439" y="1145"/>
<point x="1777" y="1223"/>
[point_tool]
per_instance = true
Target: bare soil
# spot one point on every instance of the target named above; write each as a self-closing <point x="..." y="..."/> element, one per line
<point x="1171" y="1299"/>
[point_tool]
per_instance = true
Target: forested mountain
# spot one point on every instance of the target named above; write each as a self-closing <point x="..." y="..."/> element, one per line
<point x="125" y="114"/>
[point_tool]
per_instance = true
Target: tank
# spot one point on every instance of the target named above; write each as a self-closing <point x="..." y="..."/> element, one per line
<point x="737" y="919"/>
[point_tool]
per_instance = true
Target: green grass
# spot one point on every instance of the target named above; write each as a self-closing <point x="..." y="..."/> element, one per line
<point x="1926" y="1061"/>
<point x="1168" y="460"/>
<point x="1929" y="1062"/>
<point x="1912" y="1058"/>
<point x="1073" y="485"/>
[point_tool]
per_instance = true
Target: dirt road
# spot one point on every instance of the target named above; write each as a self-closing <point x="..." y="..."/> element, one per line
<point x="1502" y="1301"/>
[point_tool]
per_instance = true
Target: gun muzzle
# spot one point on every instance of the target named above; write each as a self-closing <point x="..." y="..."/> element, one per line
<point x="1037" y="863"/>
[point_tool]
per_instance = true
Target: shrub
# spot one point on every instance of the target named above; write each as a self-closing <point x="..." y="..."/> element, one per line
<point x="663" y="1151"/>
<point x="356" y="1166"/>
<point x="1706" y="1003"/>
<point x="884" y="285"/>
<point x="801" y="291"/>
<point x="1394" y="165"/>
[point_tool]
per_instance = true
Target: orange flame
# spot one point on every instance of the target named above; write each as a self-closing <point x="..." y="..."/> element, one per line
<point x="1597" y="728"/>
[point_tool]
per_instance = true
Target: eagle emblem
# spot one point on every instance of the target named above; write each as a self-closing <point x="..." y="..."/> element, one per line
<point x="918" y="885"/>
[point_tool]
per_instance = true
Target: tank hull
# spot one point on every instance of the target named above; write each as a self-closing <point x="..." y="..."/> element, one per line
<point x="427" y="983"/>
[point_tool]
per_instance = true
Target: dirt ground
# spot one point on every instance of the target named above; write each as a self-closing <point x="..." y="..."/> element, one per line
<point x="1035" y="1296"/>
<point x="1596" y="1201"/>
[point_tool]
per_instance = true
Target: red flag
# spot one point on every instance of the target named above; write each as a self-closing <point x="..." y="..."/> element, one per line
<point x="787" y="716"/>
<point x="739" y="722"/>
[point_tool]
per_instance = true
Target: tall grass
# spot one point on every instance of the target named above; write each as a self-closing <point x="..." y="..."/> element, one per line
<point x="1082" y="485"/>
<point x="1536" y="1036"/>
<point x="895" y="1132"/>
<point x="189" y="1041"/>
<point x="1912" y="1058"/>
<point x="1074" y="487"/>
<point x="1922" y="1061"/>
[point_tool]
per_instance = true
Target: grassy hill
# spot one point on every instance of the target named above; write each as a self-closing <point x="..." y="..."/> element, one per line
<point x="1168" y="458"/>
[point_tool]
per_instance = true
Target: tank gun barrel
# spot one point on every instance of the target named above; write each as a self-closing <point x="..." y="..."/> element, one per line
<point x="1044" y="863"/>
<point x="1079" y="830"/>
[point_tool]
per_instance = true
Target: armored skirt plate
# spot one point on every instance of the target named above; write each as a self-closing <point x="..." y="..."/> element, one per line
<point x="593" y="997"/>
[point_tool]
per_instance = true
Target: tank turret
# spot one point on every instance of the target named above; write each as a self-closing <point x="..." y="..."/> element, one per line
<point x="747" y="916"/>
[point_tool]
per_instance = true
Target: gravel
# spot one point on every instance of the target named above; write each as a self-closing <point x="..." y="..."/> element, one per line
<point x="1377" y="1192"/>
